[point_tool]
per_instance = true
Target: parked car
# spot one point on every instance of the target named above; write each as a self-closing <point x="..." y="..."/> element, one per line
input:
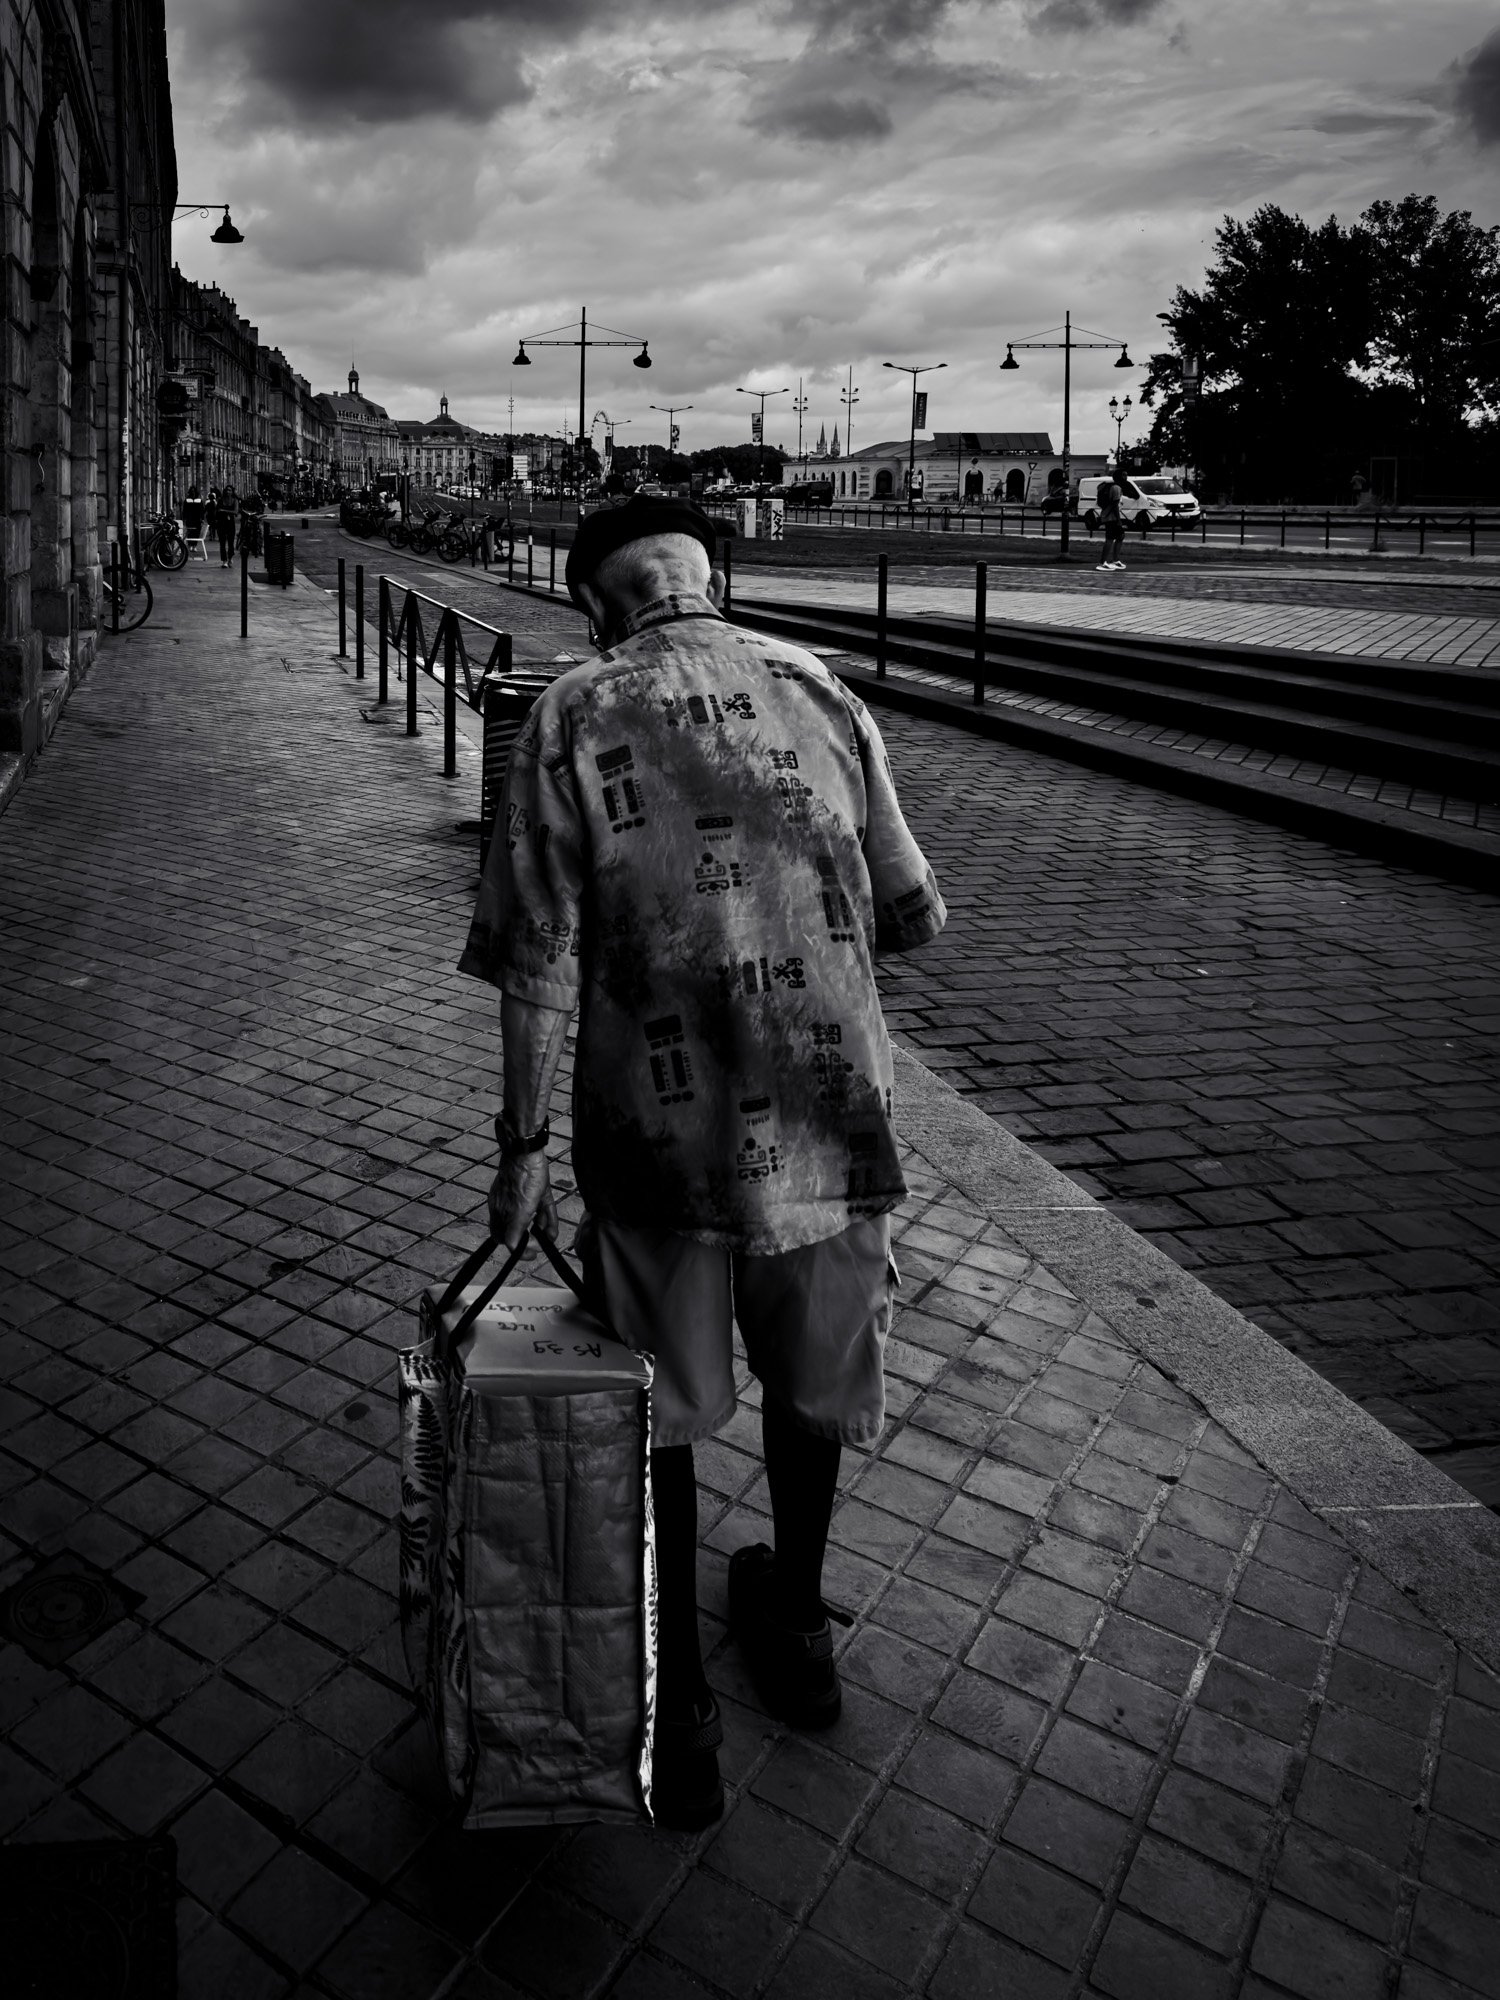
<point x="1147" y="498"/>
<point x="810" y="493"/>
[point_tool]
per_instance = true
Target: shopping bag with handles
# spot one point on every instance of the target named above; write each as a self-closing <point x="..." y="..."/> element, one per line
<point x="528" y="1571"/>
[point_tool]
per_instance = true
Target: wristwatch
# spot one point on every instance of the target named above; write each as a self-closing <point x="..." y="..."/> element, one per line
<point x="513" y="1145"/>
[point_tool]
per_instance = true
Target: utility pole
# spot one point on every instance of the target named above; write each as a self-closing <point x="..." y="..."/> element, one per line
<point x="800" y="406"/>
<point x="928" y="368"/>
<point x="669" y="410"/>
<point x="760" y="462"/>
<point x="849" y="397"/>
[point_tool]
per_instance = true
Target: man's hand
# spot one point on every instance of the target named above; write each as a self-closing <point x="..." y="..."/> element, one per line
<point x="521" y="1198"/>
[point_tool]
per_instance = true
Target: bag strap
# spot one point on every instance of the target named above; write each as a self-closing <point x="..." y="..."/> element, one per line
<point x="443" y="1348"/>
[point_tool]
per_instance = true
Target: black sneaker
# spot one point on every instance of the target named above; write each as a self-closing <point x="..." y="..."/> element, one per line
<point x="793" y="1671"/>
<point x="687" y="1792"/>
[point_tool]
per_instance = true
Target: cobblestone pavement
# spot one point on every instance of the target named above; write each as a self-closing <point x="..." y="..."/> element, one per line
<point x="1122" y="1715"/>
<point x="1276" y="1059"/>
<point x="1380" y="631"/>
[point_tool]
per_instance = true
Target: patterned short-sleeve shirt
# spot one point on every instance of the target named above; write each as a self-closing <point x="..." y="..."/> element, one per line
<point x="700" y="844"/>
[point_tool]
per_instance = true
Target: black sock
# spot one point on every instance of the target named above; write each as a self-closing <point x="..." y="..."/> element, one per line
<point x="803" y="1472"/>
<point x="681" y="1684"/>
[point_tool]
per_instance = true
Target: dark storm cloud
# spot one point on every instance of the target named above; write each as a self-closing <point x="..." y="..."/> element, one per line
<point x="1063" y="17"/>
<point x="1476" y="89"/>
<point x="389" y="61"/>
<point x="823" y="120"/>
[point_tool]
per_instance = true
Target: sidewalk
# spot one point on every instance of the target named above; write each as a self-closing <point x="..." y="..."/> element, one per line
<point x="1376" y="634"/>
<point x="1167" y="1671"/>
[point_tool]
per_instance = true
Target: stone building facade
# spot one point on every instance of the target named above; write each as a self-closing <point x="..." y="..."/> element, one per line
<point x="251" y="420"/>
<point x="440" y="452"/>
<point x="365" y="440"/>
<point x="89" y="184"/>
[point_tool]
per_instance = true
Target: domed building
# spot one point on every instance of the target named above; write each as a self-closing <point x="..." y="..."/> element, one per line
<point x="440" y="451"/>
<point x="366" y="442"/>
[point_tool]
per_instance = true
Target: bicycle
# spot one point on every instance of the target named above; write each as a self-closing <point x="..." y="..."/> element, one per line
<point x="428" y="532"/>
<point x="466" y="538"/>
<point x="165" y="545"/>
<point x="132" y="579"/>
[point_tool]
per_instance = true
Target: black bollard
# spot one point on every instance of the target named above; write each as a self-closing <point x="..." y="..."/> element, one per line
<point x="880" y="616"/>
<point x="114" y="567"/>
<point x="343" y="615"/>
<point x="981" y="583"/>
<point x="244" y="591"/>
<point x="359" y="621"/>
<point x="552" y="559"/>
<point x="411" y="668"/>
<point x="450" y="696"/>
<point x="383" y="606"/>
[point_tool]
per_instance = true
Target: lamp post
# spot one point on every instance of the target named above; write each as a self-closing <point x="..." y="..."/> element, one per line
<point x="760" y="461"/>
<point x="849" y="397"/>
<point x="927" y="368"/>
<point x="583" y="343"/>
<point x="226" y="231"/>
<point x="1119" y="411"/>
<point x="669" y="411"/>
<point x="1068" y="344"/>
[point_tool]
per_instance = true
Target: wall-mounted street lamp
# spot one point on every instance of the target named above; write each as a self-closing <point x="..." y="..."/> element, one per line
<point x="1067" y="344"/>
<point x="225" y="233"/>
<point x="927" y="368"/>
<point x="583" y="343"/>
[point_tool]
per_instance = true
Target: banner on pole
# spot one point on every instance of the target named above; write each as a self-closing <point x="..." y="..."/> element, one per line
<point x="757" y="427"/>
<point x="919" y="410"/>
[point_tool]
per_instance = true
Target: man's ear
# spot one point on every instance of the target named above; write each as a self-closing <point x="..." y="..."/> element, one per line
<point x="717" y="589"/>
<point x="594" y="606"/>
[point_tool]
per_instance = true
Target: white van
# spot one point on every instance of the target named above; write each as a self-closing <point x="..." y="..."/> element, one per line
<point x="1148" y="499"/>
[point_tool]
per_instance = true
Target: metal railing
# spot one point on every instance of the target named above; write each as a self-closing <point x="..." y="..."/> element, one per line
<point x="491" y="687"/>
<point x="1233" y="523"/>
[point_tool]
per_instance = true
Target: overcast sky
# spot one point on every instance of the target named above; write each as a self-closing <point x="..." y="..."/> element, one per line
<point x="774" y="191"/>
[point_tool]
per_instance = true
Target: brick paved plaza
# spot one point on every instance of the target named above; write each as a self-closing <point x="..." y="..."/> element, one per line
<point x="1131" y="1709"/>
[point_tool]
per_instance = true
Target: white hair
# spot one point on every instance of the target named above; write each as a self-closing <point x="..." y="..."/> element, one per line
<point x="654" y="566"/>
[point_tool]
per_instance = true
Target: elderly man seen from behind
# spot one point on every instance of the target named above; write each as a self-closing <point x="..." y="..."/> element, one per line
<point x="700" y="847"/>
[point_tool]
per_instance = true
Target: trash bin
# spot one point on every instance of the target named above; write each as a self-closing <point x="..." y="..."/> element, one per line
<point x="280" y="556"/>
<point x="507" y="703"/>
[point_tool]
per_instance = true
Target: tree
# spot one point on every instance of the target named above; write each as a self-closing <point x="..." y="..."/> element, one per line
<point x="1285" y="314"/>
<point x="1321" y="346"/>
<point x="1437" y="284"/>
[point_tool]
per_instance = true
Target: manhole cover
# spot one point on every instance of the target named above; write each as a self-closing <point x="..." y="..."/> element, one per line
<point x="63" y="1604"/>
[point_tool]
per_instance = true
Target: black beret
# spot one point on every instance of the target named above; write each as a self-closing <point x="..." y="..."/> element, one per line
<point x="600" y="534"/>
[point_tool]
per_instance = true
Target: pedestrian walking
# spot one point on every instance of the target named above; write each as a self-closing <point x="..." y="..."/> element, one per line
<point x="252" y="510"/>
<point x="700" y="841"/>
<point x="226" y="508"/>
<point x="1109" y="502"/>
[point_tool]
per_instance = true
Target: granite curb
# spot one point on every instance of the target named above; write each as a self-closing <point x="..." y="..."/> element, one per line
<point x="1433" y="1540"/>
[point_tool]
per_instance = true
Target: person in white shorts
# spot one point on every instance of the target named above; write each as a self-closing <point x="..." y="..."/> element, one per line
<point x="700" y="847"/>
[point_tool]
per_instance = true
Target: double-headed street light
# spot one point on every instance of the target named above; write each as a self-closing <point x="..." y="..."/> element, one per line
<point x="583" y="343"/>
<point x="1067" y="344"/>
<point x="760" y="427"/>
<point x="927" y="368"/>
<point x="1119" y="411"/>
<point x="669" y="411"/>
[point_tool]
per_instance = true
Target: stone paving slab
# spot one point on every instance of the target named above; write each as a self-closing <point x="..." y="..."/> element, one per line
<point x="1124" y="1714"/>
<point x="1379" y="633"/>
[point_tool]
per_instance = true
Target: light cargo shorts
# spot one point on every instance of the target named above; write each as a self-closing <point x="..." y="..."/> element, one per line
<point x="814" y="1323"/>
